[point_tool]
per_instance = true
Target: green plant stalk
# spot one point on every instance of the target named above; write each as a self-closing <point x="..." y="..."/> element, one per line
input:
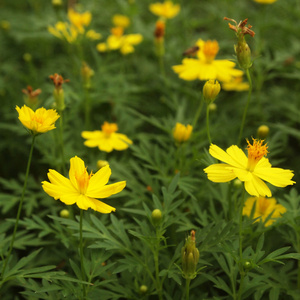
<point x="156" y="252"/>
<point x="81" y="253"/>
<point x="20" y="207"/>
<point x="207" y="123"/>
<point x="87" y="101"/>
<point x="162" y="65"/>
<point x="198" y="112"/>
<point x="61" y="141"/>
<point x="246" y="107"/>
<point x="241" y="267"/>
<point x="187" y="289"/>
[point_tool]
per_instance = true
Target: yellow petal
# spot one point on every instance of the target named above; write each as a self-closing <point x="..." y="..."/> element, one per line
<point x="256" y="187"/>
<point x="107" y="190"/>
<point x="242" y="175"/>
<point x="102" y="207"/>
<point x="99" y="179"/>
<point x="59" y="192"/>
<point x="84" y="202"/>
<point x="275" y="176"/>
<point x="219" y="173"/>
<point x="76" y="167"/>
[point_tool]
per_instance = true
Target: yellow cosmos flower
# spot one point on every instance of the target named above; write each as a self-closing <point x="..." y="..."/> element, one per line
<point x="82" y="188"/>
<point x="252" y="169"/>
<point x="40" y="121"/>
<point x="121" y="21"/>
<point x="166" y="10"/>
<point x="78" y="20"/>
<point x="265" y="1"/>
<point x="107" y="139"/>
<point x="205" y="67"/>
<point x="236" y="84"/>
<point x="182" y="133"/>
<point x="263" y="208"/>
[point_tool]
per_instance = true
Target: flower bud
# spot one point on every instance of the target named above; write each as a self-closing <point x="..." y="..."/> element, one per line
<point x="237" y="183"/>
<point x="211" y="90"/>
<point x="182" y="133"/>
<point x="212" y="107"/>
<point x="56" y="3"/>
<point x="190" y="257"/>
<point x="156" y="216"/>
<point x="64" y="213"/>
<point x="263" y="131"/>
<point x="143" y="289"/>
<point x="243" y="54"/>
<point x="59" y="98"/>
<point x="27" y="57"/>
<point x="102" y="163"/>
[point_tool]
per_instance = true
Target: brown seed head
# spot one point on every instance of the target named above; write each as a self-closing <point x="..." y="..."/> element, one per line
<point x="58" y="80"/>
<point x="240" y="28"/>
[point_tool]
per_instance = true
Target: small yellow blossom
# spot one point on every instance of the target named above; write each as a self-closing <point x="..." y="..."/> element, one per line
<point x="106" y="139"/>
<point x="252" y="170"/>
<point x="236" y="84"/>
<point x="166" y="10"/>
<point x="79" y="20"/>
<point x="205" y="66"/>
<point x="120" y="21"/>
<point x="93" y="35"/>
<point x="40" y="121"/>
<point x="265" y="1"/>
<point x="182" y="133"/>
<point x="82" y="188"/>
<point x="211" y="90"/>
<point x="264" y="207"/>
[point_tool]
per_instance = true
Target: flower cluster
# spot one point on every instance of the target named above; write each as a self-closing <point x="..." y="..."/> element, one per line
<point x="118" y="40"/>
<point x="76" y="27"/>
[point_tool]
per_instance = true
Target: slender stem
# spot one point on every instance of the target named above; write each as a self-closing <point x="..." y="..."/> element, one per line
<point x="241" y="267"/>
<point x="198" y="112"/>
<point x="162" y="65"/>
<point x="81" y="253"/>
<point x="207" y="123"/>
<point x="20" y="207"/>
<point x="156" y="251"/>
<point x="187" y="289"/>
<point x="61" y="141"/>
<point x="246" y="107"/>
<point x="87" y="101"/>
<point x="298" y="249"/>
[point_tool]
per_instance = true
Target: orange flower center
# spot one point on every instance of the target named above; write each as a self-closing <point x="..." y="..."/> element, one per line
<point x="262" y="205"/>
<point x="83" y="181"/>
<point x="37" y="119"/>
<point x="109" y="128"/>
<point x="255" y="153"/>
<point x="210" y="50"/>
<point x="117" y="31"/>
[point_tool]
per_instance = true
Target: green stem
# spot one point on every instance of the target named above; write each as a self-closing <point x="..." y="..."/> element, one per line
<point x="242" y="272"/>
<point x="20" y="207"/>
<point x="81" y="253"/>
<point x="246" y="107"/>
<point x="187" y="289"/>
<point x="198" y="112"/>
<point x="207" y="123"/>
<point x="61" y="141"/>
<point x="298" y="249"/>
<point x="158" y="284"/>
<point x="162" y="65"/>
<point x="87" y="101"/>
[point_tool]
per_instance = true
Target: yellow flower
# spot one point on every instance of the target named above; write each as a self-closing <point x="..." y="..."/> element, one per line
<point x="121" y="21"/>
<point x="263" y="208"/>
<point x="107" y="139"/>
<point x="252" y="169"/>
<point x="82" y="188"/>
<point x="93" y="35"/>
<point x="211" y="90"/>
<point x="40" y="121"/>
<point x="78" y="20"/>
<point x="166" y="10"/>
<point x="182" y="133"/>
<point x="205" y="67"/>
<point x="63" y="30"/>
<point x="236" y="84"/>
<point x="265" y="1"/>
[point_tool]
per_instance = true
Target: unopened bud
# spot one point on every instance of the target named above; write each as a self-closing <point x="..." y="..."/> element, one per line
<point x="59" y="98"/>
<point x="237" y="183"/>
<point x="64" y="213"/>
<point x="212" y="107"/>
<point x="143" y="289"/>
<point x="86" y="73"/>
<point x="182" y="133"/>
<point x="243" y="54"/>
<point x="190" y="257"/>
<point x="263" y="131"/>
<point x="56" y="2"/>
<point x="156" y="216"/>
<point x="102" y="163"/>
<point x="211" y="90"/>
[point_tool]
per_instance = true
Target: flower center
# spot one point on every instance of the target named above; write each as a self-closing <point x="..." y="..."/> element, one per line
<point x="210" y="50"/>
<point x="83" y="181"/>
<point x="262" y="205"/>
<point x="38" y="119"/>
<point x="255" y="153"/>
<point x="117" y="31"/>
<point x="109" y="128"/>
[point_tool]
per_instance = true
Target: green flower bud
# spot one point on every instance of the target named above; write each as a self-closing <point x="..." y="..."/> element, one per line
<point x="263" y="131"/>
<point x="156" y="216"/>
<point x="59" y="97"/>
<point x="190" y="257"/>
<point x="212" y="107"/>
<point x="64" y="213"/>
<point x="243" y="54"/>
<point x="211" y="90"/>
<point x="237" y="183"/>
<point x="143" y="289"/>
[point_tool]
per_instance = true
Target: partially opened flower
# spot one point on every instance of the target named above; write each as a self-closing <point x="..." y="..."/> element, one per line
<point x="264" y="207"/>
<point x="182" y="133"/>
<point x="40" y="121"/>
<point x="82" y="188"/>
<point x="106" y="139"/>
<point x="252" y="170"/>
<point x="166" y="10"/>
<point x="79" y="20"/>
<point x="206" y="67"/>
